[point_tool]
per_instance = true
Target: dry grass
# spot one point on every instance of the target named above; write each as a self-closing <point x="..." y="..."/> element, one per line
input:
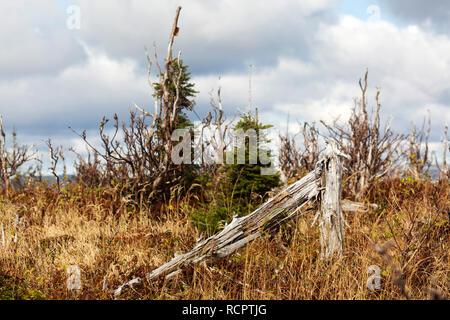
<point x="70" y="228"/>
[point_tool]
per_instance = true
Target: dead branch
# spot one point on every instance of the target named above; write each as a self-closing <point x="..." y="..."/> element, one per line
<point x="11" y="160"/>
<point x="220" y="129"/>
<point x="295" y="161"/>
<point x="54" y="158"/>
<point x="418" y="156"/>
<point x="373" y="153"/>
<point x="351" y="206"/>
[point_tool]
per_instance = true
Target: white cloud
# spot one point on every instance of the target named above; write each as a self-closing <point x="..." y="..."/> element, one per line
<point x="100" y="86"/>
<point x="35" y="39"/>
<point x="233" y="32"/>
<point x="432" y="16"/>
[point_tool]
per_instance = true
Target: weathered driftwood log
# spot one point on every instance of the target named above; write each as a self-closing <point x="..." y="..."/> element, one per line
<point x="331" y="219"/>
<point x="285" y="206"/>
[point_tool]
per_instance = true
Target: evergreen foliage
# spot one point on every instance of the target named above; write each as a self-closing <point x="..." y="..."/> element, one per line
<point x="240" y="187"/>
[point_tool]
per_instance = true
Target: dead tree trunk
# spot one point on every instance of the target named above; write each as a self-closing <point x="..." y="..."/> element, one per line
<point x="331" y="219"/>
<point x="293" y="201"/>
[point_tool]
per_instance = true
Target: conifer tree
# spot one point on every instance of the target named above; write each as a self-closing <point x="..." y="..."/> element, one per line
<point x="243" y="182"/>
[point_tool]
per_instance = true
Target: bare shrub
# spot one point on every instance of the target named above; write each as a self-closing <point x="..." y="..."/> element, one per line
<point x="11" y="160"/>
<point x="56" y="154"/>
<point x="294" y="161"/>
<point x="141" y="158"/>
<point x="221" y="127"/>
<point x="373" y="152"/>
<point x="418" y="155"/>
<point x="89" y="170"/>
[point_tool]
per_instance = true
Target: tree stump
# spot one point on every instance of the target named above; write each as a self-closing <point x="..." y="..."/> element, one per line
<point x="331" y="219"/>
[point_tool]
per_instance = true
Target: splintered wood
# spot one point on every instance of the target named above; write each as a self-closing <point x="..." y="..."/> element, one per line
<point x="293" y="201"/>
<point x="331" y="219"/>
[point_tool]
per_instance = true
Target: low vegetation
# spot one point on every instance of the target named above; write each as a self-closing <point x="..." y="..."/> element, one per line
<point x="59" y="229"/>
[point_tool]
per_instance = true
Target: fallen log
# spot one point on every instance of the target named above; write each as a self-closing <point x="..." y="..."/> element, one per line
<point x="283" y="207"/>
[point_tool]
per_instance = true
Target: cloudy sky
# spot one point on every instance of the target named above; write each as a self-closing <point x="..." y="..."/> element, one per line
<point x="69" y="63"/>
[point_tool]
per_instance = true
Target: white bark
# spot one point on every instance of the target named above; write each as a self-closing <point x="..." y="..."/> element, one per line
<point x="331" y="219"/>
